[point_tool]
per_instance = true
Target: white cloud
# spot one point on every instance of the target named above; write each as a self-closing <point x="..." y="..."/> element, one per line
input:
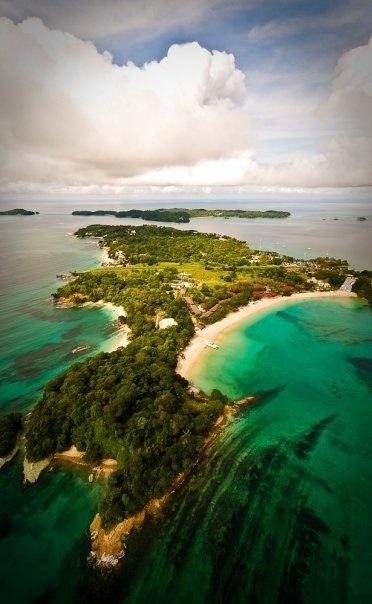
<point x="346" y="159"/>
<point x="351" y="89"/>
<point x="71" y="120"/>
<point x="68" y="114"/>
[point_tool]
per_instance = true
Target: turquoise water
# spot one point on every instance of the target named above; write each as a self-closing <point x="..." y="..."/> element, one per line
<point x="277" y="511"/>
<point x="44" y="534"/>
<point x="43" y="527"/>
<point x="37" y="338"/>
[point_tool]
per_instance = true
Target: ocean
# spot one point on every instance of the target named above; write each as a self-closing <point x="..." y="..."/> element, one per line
<point x="280" y="502"/>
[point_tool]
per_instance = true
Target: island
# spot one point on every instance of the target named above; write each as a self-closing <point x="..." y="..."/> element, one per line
<point x="183" y="215"/>
<point x="131" y="410"/>
<point x="18" y="212"/>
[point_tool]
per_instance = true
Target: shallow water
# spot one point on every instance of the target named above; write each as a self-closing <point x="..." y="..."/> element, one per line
<point x="44" y="534"/>
<point x="36" y="338"/>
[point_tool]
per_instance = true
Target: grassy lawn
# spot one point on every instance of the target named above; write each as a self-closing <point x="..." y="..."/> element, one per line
<point x="197" y="271"/>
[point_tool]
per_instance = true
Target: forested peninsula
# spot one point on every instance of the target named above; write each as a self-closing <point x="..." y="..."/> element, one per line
<point x="18" y="212"/>
<point x="131" y="405"/>
<point x="183" y="215"/>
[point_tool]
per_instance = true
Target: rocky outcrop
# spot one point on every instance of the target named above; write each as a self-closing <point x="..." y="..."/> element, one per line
<point x="108" y="546"/>
<point x="33" y="469"/>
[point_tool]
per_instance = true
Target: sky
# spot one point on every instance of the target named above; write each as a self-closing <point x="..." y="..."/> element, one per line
<point x="204" y="98"/>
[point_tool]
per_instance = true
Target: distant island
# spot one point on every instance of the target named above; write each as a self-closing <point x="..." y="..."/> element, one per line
<point x="182" y="215"/>
<point x="18" y="212"/>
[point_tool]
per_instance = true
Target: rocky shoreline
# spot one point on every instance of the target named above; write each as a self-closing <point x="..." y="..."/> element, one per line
<point x="108" y="546"/>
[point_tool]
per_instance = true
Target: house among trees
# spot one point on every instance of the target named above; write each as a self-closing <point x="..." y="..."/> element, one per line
<point x="167" y="322"/>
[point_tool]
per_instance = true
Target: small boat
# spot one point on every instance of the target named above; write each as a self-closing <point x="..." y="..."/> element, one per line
<point x="82" y="348"/>
<point x="210" y="344"/>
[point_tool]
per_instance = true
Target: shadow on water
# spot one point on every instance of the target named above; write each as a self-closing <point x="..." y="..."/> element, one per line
<point x="264" y="397"/>
<point x="31" y="364"/>
<point x="363" y="365"/>
<point x="310" y="439"/>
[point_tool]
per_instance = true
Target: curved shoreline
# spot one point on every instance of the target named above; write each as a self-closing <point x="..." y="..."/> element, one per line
<point x="196" y="348"/>
<point x="121" y="337"/>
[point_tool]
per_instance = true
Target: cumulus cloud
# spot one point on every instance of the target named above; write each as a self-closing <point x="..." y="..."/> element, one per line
<point x="343" y="157"/>
<point x="351" y="88"/>
<point x="68" y="113"/>
<point x="346" y="159"/>
<point x="343" y="160"/>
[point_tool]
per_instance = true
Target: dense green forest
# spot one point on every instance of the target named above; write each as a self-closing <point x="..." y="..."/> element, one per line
<point x="130" y="405"/>
<point x="18" y="212"/>
<point x="183" y="215"/>
<point x="150" y="245"/>
<point x="363" y="285"/>
<point x="10" y="427"/>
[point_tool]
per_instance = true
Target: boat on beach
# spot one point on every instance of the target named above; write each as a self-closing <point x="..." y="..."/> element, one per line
<point x="210" y="344"/>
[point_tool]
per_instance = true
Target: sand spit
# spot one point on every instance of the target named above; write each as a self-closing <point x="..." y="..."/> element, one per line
<point x="33" y="469"/>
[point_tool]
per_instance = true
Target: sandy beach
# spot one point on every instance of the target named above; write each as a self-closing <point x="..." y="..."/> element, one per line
<point x="105" y="258"/>
<point x="194" y="351"/>
<point x="122" y="336"/>
<point x="72" y="455"/>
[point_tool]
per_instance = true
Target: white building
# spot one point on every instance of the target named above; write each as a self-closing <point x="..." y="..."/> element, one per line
<point x="168" y="322"/>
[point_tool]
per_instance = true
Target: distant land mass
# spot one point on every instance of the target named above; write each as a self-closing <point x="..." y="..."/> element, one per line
<point x="183" y="215"/>
<point x="17" y="212"/>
